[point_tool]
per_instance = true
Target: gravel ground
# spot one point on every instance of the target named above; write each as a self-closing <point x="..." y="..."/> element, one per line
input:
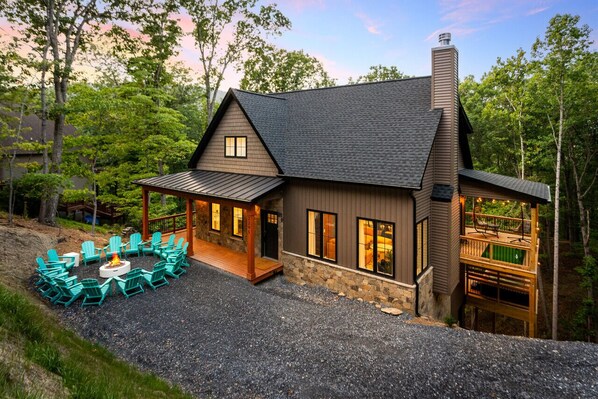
<point x="218" y="336"/>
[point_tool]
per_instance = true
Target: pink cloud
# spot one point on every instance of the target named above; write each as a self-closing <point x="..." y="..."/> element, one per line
<point x="538" y="10"/>
<point x="370" y="25"/>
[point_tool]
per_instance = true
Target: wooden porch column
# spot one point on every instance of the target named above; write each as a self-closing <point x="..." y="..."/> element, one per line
<point x="251" y="242"/>
<point x="462" y="199"/>
<point x="145" y="213"/>
<point x="534" y="235"/>
<point x="534" y="267"/>
<point x="190" y="226"/>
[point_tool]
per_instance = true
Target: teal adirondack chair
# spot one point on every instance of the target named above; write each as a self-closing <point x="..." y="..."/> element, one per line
<point x="49" y="268"/>
<point x="164" y="246"/>
<point x="53" y="257"/>
<point x="173" y="266"/>
<point x="147" y="247"/>
<point x="165" y="253"/>
<point x="182" y="252"/>
<point x="89" y="252"/>
<point x="47" y="288"/>
<point x="93" y="292"/>
<point x="133" y="246"/>
<point x="132" y="284"/>
<point x="69" y="291"/>
<point x="156" y="278"/>
<point x="114" y="247"/>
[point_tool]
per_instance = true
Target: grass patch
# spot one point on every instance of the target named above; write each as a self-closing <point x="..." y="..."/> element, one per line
<point x="72" y="224"/>
<point x="85" y="369"/>
<point x="505" y="254"/>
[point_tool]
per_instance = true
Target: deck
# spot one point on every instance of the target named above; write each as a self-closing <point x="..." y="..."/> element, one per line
<point x="231" y="261"/>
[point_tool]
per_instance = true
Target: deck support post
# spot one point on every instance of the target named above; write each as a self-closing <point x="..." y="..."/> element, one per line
<point x="462" y="200"/>
<point x="145" y="214"/>
<point x="251" y="242"/>
<point x="189" y="203"/>
<point x="533" y="297"/>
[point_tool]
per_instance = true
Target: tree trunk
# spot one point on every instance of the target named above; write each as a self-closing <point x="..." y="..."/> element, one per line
<point x="557" y="187"/>
<point x="56" y="150"/>
<point x="43" y="204"/>
<point x="95" y="208"/>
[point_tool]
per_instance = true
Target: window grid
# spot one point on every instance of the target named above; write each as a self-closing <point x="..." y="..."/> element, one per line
<point x="235" y="147"/>
<point x="321" y="235"/>
<point x="375" y="246"/>
<point x="215" y="217"/>
<point x="237" y="222"/>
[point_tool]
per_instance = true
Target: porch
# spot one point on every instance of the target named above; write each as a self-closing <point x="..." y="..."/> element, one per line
<point x="231" y="261"/>
<point x="499" y="252"/>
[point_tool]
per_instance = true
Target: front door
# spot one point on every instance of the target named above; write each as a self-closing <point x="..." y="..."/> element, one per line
<point x="270" y="234"/>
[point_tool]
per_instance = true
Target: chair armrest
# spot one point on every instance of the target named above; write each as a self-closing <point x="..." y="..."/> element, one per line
<point x="118" y="279"/>
<point x="56" y="262"/>
<point x="107" y="282"/>
<point x="72" y="258"/>
<point x="145" y="273"/>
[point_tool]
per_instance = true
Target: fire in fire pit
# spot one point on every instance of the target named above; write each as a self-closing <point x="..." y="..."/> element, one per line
<point x="115" y="262"/>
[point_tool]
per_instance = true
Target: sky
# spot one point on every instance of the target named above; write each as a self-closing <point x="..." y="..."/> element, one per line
<point x="349" y="36"/>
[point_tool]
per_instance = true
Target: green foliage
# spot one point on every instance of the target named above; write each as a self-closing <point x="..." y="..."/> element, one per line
<point x="86" y="369"/>
<point x="72" y="224"/>
<point x="450" y="321"/>
<point x="271" y="70"/>
<point x="379" y="73"/>
<point x="41" y="186"/>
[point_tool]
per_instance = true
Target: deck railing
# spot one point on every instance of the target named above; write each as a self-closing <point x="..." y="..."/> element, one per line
<point x="487" y="251"/>
<point x="514" y="288"/>
<point x="170" y="223"/>
<point x="504" y="224"/>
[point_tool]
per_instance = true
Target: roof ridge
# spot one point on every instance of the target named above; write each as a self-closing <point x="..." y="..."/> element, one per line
<point x="258" y="94"/>
<point x="353" y="85"/>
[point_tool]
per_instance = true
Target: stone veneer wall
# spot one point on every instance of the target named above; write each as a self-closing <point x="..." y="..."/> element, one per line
<point x="426" y="302"/>
<point x="225" y="236"/>
<point x="353" y="283"/>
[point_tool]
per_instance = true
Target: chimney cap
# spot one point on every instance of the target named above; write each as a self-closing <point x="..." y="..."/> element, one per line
<point x="444" y="39"/>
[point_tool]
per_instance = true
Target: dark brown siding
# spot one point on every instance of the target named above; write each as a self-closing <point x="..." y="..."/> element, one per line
<point x="422" y="197"/>
<point x="478" y="190"/>
<point x="350" y="202"/>
<point x="234" y="123"/>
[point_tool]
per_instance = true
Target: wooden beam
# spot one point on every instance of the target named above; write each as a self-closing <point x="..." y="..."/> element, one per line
<point x="462" y="200"/>
<point x="145" y="214"/>
<point x="251" y="243"/>
<point x="190" y="240"/>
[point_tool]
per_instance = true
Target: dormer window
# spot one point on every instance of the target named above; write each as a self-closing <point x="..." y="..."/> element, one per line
<point x="235" y="147"/>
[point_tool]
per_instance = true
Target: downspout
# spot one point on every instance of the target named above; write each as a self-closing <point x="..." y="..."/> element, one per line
<point x="415" y="254"/>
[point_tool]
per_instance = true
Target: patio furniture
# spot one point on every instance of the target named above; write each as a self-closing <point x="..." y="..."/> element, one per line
<point x="147" y="247"/>
<point x="53" y="257"/>
<point x="165" y="253"/>
<point x="482" y="226"/>
<point x="89" y="252"/>
<point x="156" y="278"/>
<point x="132" y="284"/>
<point x="93" y="292"/>
<point x="47" y="288"/>
<point x="133" y="246"/>
<point x="173" y="266"/>
<point x="49" y="268"/>
<point x="182" y="253"/>
<point x="164" y="246"/>
<point x="68" y="291"/>
<point x="114" y="247"/>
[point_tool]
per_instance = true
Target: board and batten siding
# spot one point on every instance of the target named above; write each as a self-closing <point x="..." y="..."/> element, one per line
<point x="422" y="197"/>
<point x="349" y="202"/>
<point x="234" y="123"/>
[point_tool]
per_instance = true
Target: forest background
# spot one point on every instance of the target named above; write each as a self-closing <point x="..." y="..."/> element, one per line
<point x="138" y="113"/>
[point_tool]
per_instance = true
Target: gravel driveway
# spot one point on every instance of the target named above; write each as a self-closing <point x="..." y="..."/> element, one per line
<point x="218" y="336"/>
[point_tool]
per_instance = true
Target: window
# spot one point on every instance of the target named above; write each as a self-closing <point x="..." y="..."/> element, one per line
<point x="235" y="147"/>
<point x="237" y="222"/>
<point x="215" y="217"/>
<point x="321" y="235"/>
<point x="375" y="244"/>
<point x="422" y="246"/>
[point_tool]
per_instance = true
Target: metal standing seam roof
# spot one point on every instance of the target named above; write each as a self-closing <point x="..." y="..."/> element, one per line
<point x="232" y="186"/>
<point x="537" y="191"/>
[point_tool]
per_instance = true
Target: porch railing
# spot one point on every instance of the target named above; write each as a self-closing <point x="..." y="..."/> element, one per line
<point x="170" y="223"/>
<point x="505" y="224"/>
<point x="496" y="252"/>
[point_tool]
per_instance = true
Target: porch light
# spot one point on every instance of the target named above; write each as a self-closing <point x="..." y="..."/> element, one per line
<point x="479" y="199"/>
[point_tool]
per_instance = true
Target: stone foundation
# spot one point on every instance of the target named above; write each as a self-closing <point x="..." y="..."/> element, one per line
<point x="354" y="284"/>
<point x="426" y="301"/>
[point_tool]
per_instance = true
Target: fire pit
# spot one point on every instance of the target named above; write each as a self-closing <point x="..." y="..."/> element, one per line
<point x="115" y="267"/>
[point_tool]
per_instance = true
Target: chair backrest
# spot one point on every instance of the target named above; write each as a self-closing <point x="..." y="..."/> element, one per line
<point x="88" y="248"/>
<point x="91" y="288"/>
<point x="171" y="240"/>
<point x="133" y="279"/>
<point x="63" y="287"/>
<point x="53" y="256"/>
<point x="159" y="271"/>
<point x="134" y="240"/>
<point x="115" y="243"/>
<point x="157" y="237"/>
<point x="185" y="248"/>
<point x="41" y="264"/>
<point x="179" y="244"/>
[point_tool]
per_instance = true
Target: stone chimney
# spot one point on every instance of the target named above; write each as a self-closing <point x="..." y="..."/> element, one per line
<point x="445" y="211"/>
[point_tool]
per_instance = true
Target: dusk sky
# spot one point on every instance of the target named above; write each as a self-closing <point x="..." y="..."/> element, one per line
<point x="349" y="36"/>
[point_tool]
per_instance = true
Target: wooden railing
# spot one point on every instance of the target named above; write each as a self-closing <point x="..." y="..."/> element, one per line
<point x="170" y="223"/>
<point x="485" y="251"/>
<point x="504" y="224"/>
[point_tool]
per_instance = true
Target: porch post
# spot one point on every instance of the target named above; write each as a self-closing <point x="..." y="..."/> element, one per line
<point x="534" y="235"/>
<point x="462" y="199"/>
<point x="190" y="226"/>
<point x="144" y="217"/>
<point x="251" y="242"/>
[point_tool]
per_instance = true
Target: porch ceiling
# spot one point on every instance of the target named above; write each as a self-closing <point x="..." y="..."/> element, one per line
<point x="230" y="186"/>
<point x="502" y="187"/>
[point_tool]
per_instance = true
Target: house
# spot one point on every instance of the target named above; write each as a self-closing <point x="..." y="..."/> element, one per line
<point x="362" y="189"/>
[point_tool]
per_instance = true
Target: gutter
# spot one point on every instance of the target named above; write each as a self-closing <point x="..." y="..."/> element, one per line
<point x="416" y="283"/>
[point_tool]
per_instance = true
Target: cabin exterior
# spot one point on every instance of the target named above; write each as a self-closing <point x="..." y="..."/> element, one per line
<point x="362" y="189"/>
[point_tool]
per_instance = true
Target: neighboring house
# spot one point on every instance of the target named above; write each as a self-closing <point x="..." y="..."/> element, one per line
<point x="361" y="189"/>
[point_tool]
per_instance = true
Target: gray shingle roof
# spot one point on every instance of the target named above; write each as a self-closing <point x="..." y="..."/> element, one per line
<point x="375" y="133"/>
<point x="531" y="190"/>
<point x="233" y="186"/>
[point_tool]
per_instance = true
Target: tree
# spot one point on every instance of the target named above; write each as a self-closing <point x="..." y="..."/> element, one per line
<point x="272" y="70"/>
<point x="563" y="44"/>
<point x="247" y="28"/>
<point x="379" y="73"/>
